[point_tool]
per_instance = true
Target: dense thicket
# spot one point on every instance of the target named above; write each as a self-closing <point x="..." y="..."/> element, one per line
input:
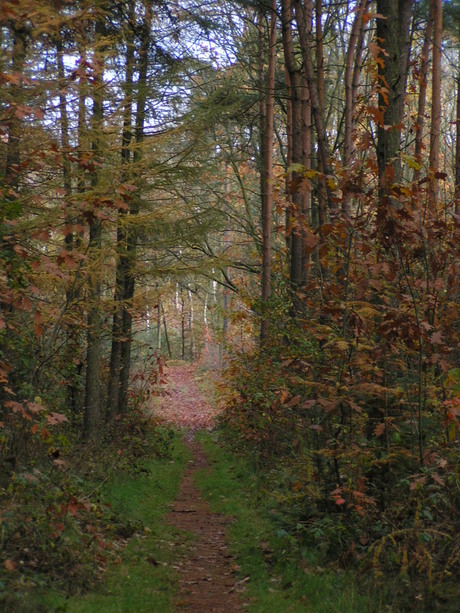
<point x="273" y="183"/>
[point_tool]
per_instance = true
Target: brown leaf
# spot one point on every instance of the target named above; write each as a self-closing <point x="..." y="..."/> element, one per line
<point x="10" y="565"/>
<point x="436" y="338"/>
<point x="56" y="418"/>
<point x="379" y="429"/>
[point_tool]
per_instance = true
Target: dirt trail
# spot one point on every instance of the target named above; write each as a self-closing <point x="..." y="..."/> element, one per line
<point x="206" y="578"/>
<point x="207" y="581"/>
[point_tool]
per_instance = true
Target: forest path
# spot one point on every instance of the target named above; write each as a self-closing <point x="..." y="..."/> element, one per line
<point x="207" y="581"/>
<point x="182" y="403"/>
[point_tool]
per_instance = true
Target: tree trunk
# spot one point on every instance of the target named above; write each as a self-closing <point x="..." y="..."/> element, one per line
<point x="435" y="130"/>
<point x="423" y="79"/>
<point x="121" y="270"/>
<point x="14" y="121"/>
<point x="299" y="145"/>
<point x="457" y="153"/>
<point x="301" y="13"/>
<point x="131" y="234"/>
<point x="72" y="329"/>
<point x="267" y="198"/>
<point x="393" y="38"/>
<point x="190" y="323"/>
<point x="166" y="332"/>
<point x="92" y="416"/>
<point x="319" y="46"/>
<point x="351" y="81"/>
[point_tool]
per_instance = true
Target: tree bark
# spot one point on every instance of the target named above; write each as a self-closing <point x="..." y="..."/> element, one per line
<point x="423" y="79"/>
<point x="457" y="153"/>
<point x="435" y="129"/>
<point x="393" y="38"/>
<point x="131" y="233"/>
<point x="14" y="121"/>
<point x="315" y="102"/>
<point x="121" y="270"/>
<point x="351" y="81"/>
<point x="299" y="149"/>
<point x="92" y="415"/>
<point x="267" y="199"/>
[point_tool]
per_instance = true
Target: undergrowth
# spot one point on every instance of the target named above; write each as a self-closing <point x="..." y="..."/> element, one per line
<point x="62" y="523"/>
<point x="341" y="474"/>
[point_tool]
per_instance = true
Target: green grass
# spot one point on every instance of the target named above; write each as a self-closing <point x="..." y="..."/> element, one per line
<point x="276" y="579"/>
<point x="145" y="581"/>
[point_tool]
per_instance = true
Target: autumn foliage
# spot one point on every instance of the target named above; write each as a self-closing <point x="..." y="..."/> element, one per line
<point x="353" y="407"/>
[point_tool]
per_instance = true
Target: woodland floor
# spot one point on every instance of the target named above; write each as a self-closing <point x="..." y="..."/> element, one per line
<point x="207" y="578"/>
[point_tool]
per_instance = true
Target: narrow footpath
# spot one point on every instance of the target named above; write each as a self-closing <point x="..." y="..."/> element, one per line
<point x="207" y="577"/>
<point x="206" y="573"/>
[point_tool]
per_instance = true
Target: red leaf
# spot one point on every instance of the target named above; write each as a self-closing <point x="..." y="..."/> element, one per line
<point x="339" y="501"/>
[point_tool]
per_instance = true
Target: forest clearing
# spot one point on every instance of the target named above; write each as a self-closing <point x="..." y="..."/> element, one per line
<point x="229" y="305"/>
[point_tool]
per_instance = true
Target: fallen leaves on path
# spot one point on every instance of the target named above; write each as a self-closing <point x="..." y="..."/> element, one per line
<point x="181" y="403"/>
<point x="207" y="571"/>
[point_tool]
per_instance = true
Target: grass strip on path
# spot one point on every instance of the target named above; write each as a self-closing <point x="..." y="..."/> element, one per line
<point x="145" y="579"/>
<point x="276" y="579"/>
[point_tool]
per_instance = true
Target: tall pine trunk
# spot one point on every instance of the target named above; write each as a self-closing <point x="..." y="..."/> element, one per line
<point x="92" y="415"/>
<point x="457" y="153"/>
<point x="267" y="196"/>
<point x="299" y="149"/>
<point x="393" y="37"/>
<point x="131" y="232"/>
<point x="435" y="128"/>
<point x="113" y="392"/>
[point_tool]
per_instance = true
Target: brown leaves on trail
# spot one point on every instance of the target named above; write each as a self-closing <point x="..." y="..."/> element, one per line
<point x="182" y="404"/>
